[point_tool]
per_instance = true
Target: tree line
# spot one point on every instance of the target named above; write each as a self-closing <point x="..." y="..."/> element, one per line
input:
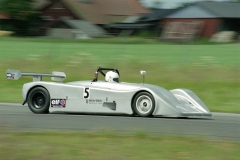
<point x="22" y="16"/>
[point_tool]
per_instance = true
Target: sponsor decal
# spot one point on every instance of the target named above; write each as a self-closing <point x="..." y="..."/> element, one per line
<point x="86" y="96"/>
<point x="58" y="103"/>
<point x="10" y="76"/>
<point x="94" y="101"/>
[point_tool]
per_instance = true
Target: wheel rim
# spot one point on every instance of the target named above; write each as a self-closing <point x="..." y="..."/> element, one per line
<point x="38" y="100"/>
<point x="144" y="104"/>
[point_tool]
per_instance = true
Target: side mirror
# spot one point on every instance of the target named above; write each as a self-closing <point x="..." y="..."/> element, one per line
<point x="143" y="73"/>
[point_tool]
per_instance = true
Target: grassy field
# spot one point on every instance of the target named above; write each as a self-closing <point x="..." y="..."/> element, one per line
<point x="109" y="145"/>
<point x="211" y="71"/>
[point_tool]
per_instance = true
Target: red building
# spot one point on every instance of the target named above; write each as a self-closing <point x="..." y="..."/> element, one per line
<point x="213" y="17"/>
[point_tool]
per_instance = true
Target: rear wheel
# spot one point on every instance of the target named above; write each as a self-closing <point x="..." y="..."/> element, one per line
<point x="143" y="104"/>
<point x="38" y="100"/>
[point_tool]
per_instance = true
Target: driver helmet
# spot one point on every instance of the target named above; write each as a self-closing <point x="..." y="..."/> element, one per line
<point x="112" y="77"/>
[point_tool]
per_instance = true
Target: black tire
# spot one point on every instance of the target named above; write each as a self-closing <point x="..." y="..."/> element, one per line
<point x="143" y="104"/>
<point x="38" y="100"/>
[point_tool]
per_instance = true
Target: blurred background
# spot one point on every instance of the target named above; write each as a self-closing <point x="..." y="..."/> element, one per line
<point x="175" y="20"/>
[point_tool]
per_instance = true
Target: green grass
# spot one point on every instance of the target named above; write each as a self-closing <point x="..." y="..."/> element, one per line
<point x="211" y="71"/>
<point x="109" y="145"/>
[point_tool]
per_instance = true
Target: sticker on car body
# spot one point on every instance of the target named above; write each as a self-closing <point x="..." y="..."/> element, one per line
<point x="58" y="103"/>
<point x="86" y="93"/>
<point x="94" y="101"/>
<point x="10" y="76"/>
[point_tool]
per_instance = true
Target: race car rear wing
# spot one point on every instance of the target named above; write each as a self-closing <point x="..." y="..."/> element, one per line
<point x="16" y="74"/>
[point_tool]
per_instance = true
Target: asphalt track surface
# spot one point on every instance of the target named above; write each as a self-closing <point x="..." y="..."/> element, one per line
<point x="220" y="127"/>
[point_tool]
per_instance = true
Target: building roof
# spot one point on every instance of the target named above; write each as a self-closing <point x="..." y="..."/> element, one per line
<point x="156" y="14"/>
<point x="131" y="19"/>
<point x="208" y="10"/>
<point x="131" y="26"/>
<point x="39" y="4"/>
<point x="104" y="11"/>
<point x="222" y="9"/>
<point x="88" y="28"/>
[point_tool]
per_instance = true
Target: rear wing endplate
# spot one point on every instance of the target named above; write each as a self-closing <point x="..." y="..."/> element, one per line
<point x="16" y="74"/>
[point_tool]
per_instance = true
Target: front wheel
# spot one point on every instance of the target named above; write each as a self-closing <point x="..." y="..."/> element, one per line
<point x="143" y="104"/>
<point x="38" y="100"/>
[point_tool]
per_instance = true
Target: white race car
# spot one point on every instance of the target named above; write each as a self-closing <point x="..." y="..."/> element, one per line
<point x="107" y="97"/>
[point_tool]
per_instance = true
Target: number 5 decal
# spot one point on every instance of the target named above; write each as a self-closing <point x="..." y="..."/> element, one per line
<point x="86" y="93"/>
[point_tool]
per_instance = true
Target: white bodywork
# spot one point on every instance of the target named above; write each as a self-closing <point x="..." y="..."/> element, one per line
<point x="108" y="97"/>
<point x="116" y="98"/>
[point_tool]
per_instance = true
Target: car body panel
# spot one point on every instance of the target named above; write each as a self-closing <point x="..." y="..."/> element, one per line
<point x="116" y="98"/>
